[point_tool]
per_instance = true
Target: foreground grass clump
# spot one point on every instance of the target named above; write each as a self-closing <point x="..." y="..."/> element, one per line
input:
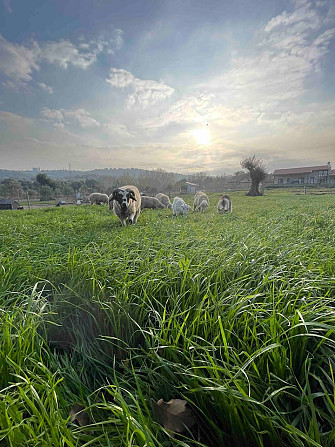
<point x="234" y="314"/>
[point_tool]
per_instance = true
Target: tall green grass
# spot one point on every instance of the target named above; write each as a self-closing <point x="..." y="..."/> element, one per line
<point x="233" y="313"/>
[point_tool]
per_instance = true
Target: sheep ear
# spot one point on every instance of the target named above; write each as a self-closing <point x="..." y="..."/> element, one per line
<point x="132" y="195"/>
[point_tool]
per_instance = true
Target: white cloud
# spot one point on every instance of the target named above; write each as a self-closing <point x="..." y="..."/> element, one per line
<point x="190" y="109"/>
<point x="82" y="117"/>
<point x="118" y="129"/>
<point x="144" y="92"/>
<point x="304" y="18"/>
<point x="53" y="116"/>
<point x="65" y="53"/>
<point x="261" y="90"/>
<point x="45" y="87"/>
<point x="291" y="48"/>
<point x="18" y="62"/>
<point x="62" y="117"/>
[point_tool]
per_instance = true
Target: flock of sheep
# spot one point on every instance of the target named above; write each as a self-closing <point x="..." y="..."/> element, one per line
<point x="127" y="203"/>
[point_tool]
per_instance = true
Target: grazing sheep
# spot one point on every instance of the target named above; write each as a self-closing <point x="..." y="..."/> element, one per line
<point x="127" y="204"/>
<point x="201" y="202"/>
<point x="225" y="205"/>
<point x="98" y="198"/>
<point x="180" y="207"/>
<point x="164" y="199"/>
<point x="151" y="202"/>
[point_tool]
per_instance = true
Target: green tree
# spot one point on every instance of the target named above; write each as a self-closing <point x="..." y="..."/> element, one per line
<point x="66" y="190"/>
<point x="92" y="184"/>
<point x="76" y="185"/>
<point x="10" y="188"/>
<point x="43" y="180"/>
<point x="46" y="193"/>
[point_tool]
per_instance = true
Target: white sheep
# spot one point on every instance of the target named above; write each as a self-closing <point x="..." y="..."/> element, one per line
<point x="225" y="204"/>
<point x="127" y="204"/>
<point x="98" y="198"/>
<point x="164" y="199"/>
<point x="151" y="203"/>
<point x="201" y="202"/>
<point x="180" y="207"/>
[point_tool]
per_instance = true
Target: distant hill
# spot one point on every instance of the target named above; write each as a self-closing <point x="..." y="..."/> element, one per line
<point x="63" y="174"/>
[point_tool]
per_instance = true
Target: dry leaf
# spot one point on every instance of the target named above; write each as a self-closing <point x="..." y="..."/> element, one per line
<point x="78" y="413"/>
<point x="174" y="415"/>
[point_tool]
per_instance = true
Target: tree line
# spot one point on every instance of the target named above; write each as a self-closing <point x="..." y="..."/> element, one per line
<point x="150" y="182"/>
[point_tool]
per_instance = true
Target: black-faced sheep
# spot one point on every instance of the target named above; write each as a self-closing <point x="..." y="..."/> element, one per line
<point x="164" y="199"/>
<point x="98" y="198"/>
<point x="225" y="204"/>
<point x="126" y="203"/>
<point x="151" y="203"/>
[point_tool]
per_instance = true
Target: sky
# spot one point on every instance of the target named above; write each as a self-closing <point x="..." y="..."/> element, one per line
<point x="181" y="85"/>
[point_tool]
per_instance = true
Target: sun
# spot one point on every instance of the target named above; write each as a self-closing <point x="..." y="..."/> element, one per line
<point x="201" y="136"/>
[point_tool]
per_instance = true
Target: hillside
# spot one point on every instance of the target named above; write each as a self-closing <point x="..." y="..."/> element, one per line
<point x="78" y="175"/>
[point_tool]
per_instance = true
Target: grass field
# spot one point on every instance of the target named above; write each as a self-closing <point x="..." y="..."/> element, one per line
<point x="234" y="314"/>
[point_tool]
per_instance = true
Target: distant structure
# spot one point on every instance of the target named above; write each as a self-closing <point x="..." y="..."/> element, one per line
<point x="7" y="204"/>
<point x="310" y="175"/>
<point x="191" y="188"/>
<point x="36" y="169"/>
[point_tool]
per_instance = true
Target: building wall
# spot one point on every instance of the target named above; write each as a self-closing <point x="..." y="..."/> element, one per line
<point x="307" y="178"/>
<point x="191" y="189"/>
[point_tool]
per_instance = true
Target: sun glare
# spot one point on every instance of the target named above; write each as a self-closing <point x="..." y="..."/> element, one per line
<point x="201" y="136"/>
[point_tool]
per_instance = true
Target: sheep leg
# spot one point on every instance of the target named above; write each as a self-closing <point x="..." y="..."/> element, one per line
<point x="136" y="217"/>
<point x="131" y="219"/>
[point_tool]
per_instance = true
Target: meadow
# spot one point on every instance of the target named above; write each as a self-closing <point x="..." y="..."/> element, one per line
<point x="234" y="314"/>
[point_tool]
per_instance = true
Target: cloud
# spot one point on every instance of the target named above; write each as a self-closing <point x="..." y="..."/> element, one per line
<point x="28" y="142"/>
<point x="83" y="54"/>
<point x="65" y="53"/>
<point x="53" y="116"/>
<point x="18" y="62"/>
<point x="45" y="87"/>
<point x="62" y="117"/>
<point x="189" y="109"/>
<point x="304" y="18"/>
<point x="118" y="129"/>
<point x="143" y="92"/>
<point x="260" y="92"/>
<point x="82" y="117"/>
<point x="8" y="6"/>
<point x="290" y="48"/>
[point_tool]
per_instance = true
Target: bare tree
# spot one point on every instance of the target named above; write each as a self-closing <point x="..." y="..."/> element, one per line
<point x="257" y="171"/>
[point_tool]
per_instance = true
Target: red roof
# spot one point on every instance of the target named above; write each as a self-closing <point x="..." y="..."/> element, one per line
<point x="332" y="172"/>
<point x="300" y="170"/>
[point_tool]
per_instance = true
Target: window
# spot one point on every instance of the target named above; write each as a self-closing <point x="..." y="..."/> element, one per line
<point x="288" y="180"/>
<point x="280" y="181"/>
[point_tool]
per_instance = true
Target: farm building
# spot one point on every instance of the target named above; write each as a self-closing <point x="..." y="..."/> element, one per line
<point x="310" y="175"/>
<point x="7" y="204"/>
<point x="191" y="188"/>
